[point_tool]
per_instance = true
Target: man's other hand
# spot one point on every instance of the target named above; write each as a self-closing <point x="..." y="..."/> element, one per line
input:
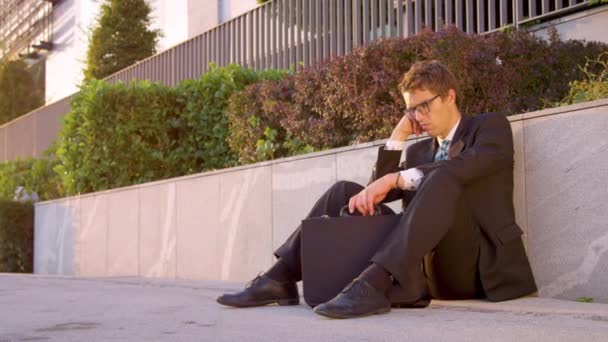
<point x="373" y="194"/>
<point x="406" y="126"/>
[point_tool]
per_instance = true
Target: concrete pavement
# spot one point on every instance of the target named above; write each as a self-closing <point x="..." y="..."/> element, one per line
<point x="45" y="308"/>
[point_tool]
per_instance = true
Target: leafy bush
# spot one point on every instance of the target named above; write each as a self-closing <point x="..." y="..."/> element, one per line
<point x="16" y="236"/>
<point x="204" y="124"/>
<point x="120" y="38"/>
<point x="354" y="98"/>
<point x="256" y="131"/>
<point x="21" y="89"/>
<point x="595" y="84"/>
<point x="118" y="135"/>
<point x="34" y="175"/>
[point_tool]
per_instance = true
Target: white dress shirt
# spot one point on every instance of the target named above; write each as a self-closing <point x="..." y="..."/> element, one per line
<point x="412" y="177"/>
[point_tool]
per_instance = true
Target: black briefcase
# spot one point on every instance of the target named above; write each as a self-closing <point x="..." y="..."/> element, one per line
<point x="335" y="250"/>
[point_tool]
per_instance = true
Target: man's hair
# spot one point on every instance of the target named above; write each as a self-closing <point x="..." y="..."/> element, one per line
<point x="429" y="75"/>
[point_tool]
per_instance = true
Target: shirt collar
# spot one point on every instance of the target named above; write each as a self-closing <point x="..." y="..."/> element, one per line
<point x="451" y="134"/>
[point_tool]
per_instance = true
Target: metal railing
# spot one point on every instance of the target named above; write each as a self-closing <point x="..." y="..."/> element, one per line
<point x="302" y="33"/>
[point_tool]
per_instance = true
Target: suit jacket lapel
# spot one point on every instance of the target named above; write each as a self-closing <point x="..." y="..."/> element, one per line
<point x="458" y="140"/>
<point x="429" y="152"/>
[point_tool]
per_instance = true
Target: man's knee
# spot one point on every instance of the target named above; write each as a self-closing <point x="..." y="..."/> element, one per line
<point x="442" y="178"/>
<point x="344" y="186"/>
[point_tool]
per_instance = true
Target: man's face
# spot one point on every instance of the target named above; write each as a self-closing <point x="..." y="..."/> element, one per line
<point x="434" y="113"/>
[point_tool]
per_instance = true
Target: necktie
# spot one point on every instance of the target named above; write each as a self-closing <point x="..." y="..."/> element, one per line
<point x="442" y="152"/>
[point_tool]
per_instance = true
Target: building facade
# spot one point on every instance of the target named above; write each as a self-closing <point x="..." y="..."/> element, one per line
<point x="72" y="21"/>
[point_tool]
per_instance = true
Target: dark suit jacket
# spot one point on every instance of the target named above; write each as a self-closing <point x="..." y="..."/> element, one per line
<point x="481" y="158"/>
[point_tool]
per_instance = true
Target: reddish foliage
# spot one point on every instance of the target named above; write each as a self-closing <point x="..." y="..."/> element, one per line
<point x="354" y="98"/>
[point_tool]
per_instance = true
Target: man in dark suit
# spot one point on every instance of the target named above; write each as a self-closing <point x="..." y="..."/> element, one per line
<point x="457" y="237"/>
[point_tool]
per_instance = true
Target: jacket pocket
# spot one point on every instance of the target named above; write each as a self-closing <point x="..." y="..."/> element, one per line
<point x="507" y="234"/>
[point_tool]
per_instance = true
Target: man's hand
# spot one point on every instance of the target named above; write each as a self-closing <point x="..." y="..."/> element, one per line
<point x="406" y="126"/>
<point x="372" y="194"/>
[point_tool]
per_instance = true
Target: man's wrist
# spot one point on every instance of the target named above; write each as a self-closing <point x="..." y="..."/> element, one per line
<point x="397" y="179"/>
<point x="391" y="180"/>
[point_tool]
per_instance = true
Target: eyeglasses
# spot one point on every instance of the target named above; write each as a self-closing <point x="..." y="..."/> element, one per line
<point x="423" y="108"/>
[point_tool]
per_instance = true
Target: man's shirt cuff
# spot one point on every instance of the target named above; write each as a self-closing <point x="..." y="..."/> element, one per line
<point x="395" y="145"/>
<point x="411" y="179"/>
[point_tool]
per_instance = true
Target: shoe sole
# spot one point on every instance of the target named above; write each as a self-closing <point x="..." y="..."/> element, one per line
<point x="338" y="316"/>
<point x="280" y="302"/>
<point x="419" y="304"/>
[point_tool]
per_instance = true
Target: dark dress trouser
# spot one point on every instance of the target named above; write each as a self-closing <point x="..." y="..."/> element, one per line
<point x="436" y="238"/>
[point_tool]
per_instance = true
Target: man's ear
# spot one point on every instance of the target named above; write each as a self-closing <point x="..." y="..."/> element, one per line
<point x="451" y="96"/>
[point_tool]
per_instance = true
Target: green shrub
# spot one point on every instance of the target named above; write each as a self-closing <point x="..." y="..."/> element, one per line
<point x="256" y="132"/>
<point x="540" y="71"/>
<point x="204" y="123"/>
<point x="16" y="236"/>
<point x="21" y="89"/>
<point x="118" y="135"/>
<point x="34" y="175"/>
<point x="595" y="84"/>
<point x="355" y="99"/>
<point x="121" y="37"/>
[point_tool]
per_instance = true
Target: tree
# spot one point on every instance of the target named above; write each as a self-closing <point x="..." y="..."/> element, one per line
<point x="19" y="91"/>
<point x="120" y="37"/>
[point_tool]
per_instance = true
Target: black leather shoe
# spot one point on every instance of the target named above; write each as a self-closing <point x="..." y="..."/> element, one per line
<point x="358" y="299"/>
<point x="263" y="290"/>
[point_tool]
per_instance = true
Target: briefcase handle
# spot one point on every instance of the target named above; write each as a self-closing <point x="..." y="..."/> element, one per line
<point x="345" y="213"/>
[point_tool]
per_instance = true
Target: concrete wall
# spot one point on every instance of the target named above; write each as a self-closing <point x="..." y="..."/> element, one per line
<point x="225" y="224"/>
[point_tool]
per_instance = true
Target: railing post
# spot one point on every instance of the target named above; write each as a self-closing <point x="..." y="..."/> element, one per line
<point x="273" y="35"/>
<point x="374" y="21"/>
<point x="491" y="16"/>
<point x="340" y="27"/>
<point x="299" y="30"/>
<point x="365" y="17"/>
<point x="504" y="15"/>
<point x="428" y="14"/>
<point x="518" y="13"/>
<point x="318" y="31"/>
<point x="439" y="21"/>
<point x="418" y="6"/>
<point x="382" y="19"/>
<point x="400" y="21"/>
<point x="481" y="16"/>
<point x="459" y="17"/>
<point x="391" y="19"/>
<point x="292" y="34"/>
<point x="357" y="23"/>
<point x="348" y="26"/>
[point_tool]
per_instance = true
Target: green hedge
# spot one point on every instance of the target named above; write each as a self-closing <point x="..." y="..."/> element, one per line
<point x="203" y="123"/>
<point x="118" y="135"/>
<point x="16" y="236"/>
<point x="255" y="130"/>
<point x="355" y="99"/>
<point x="595" y="84"/>
<point x="35" y="175"/>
